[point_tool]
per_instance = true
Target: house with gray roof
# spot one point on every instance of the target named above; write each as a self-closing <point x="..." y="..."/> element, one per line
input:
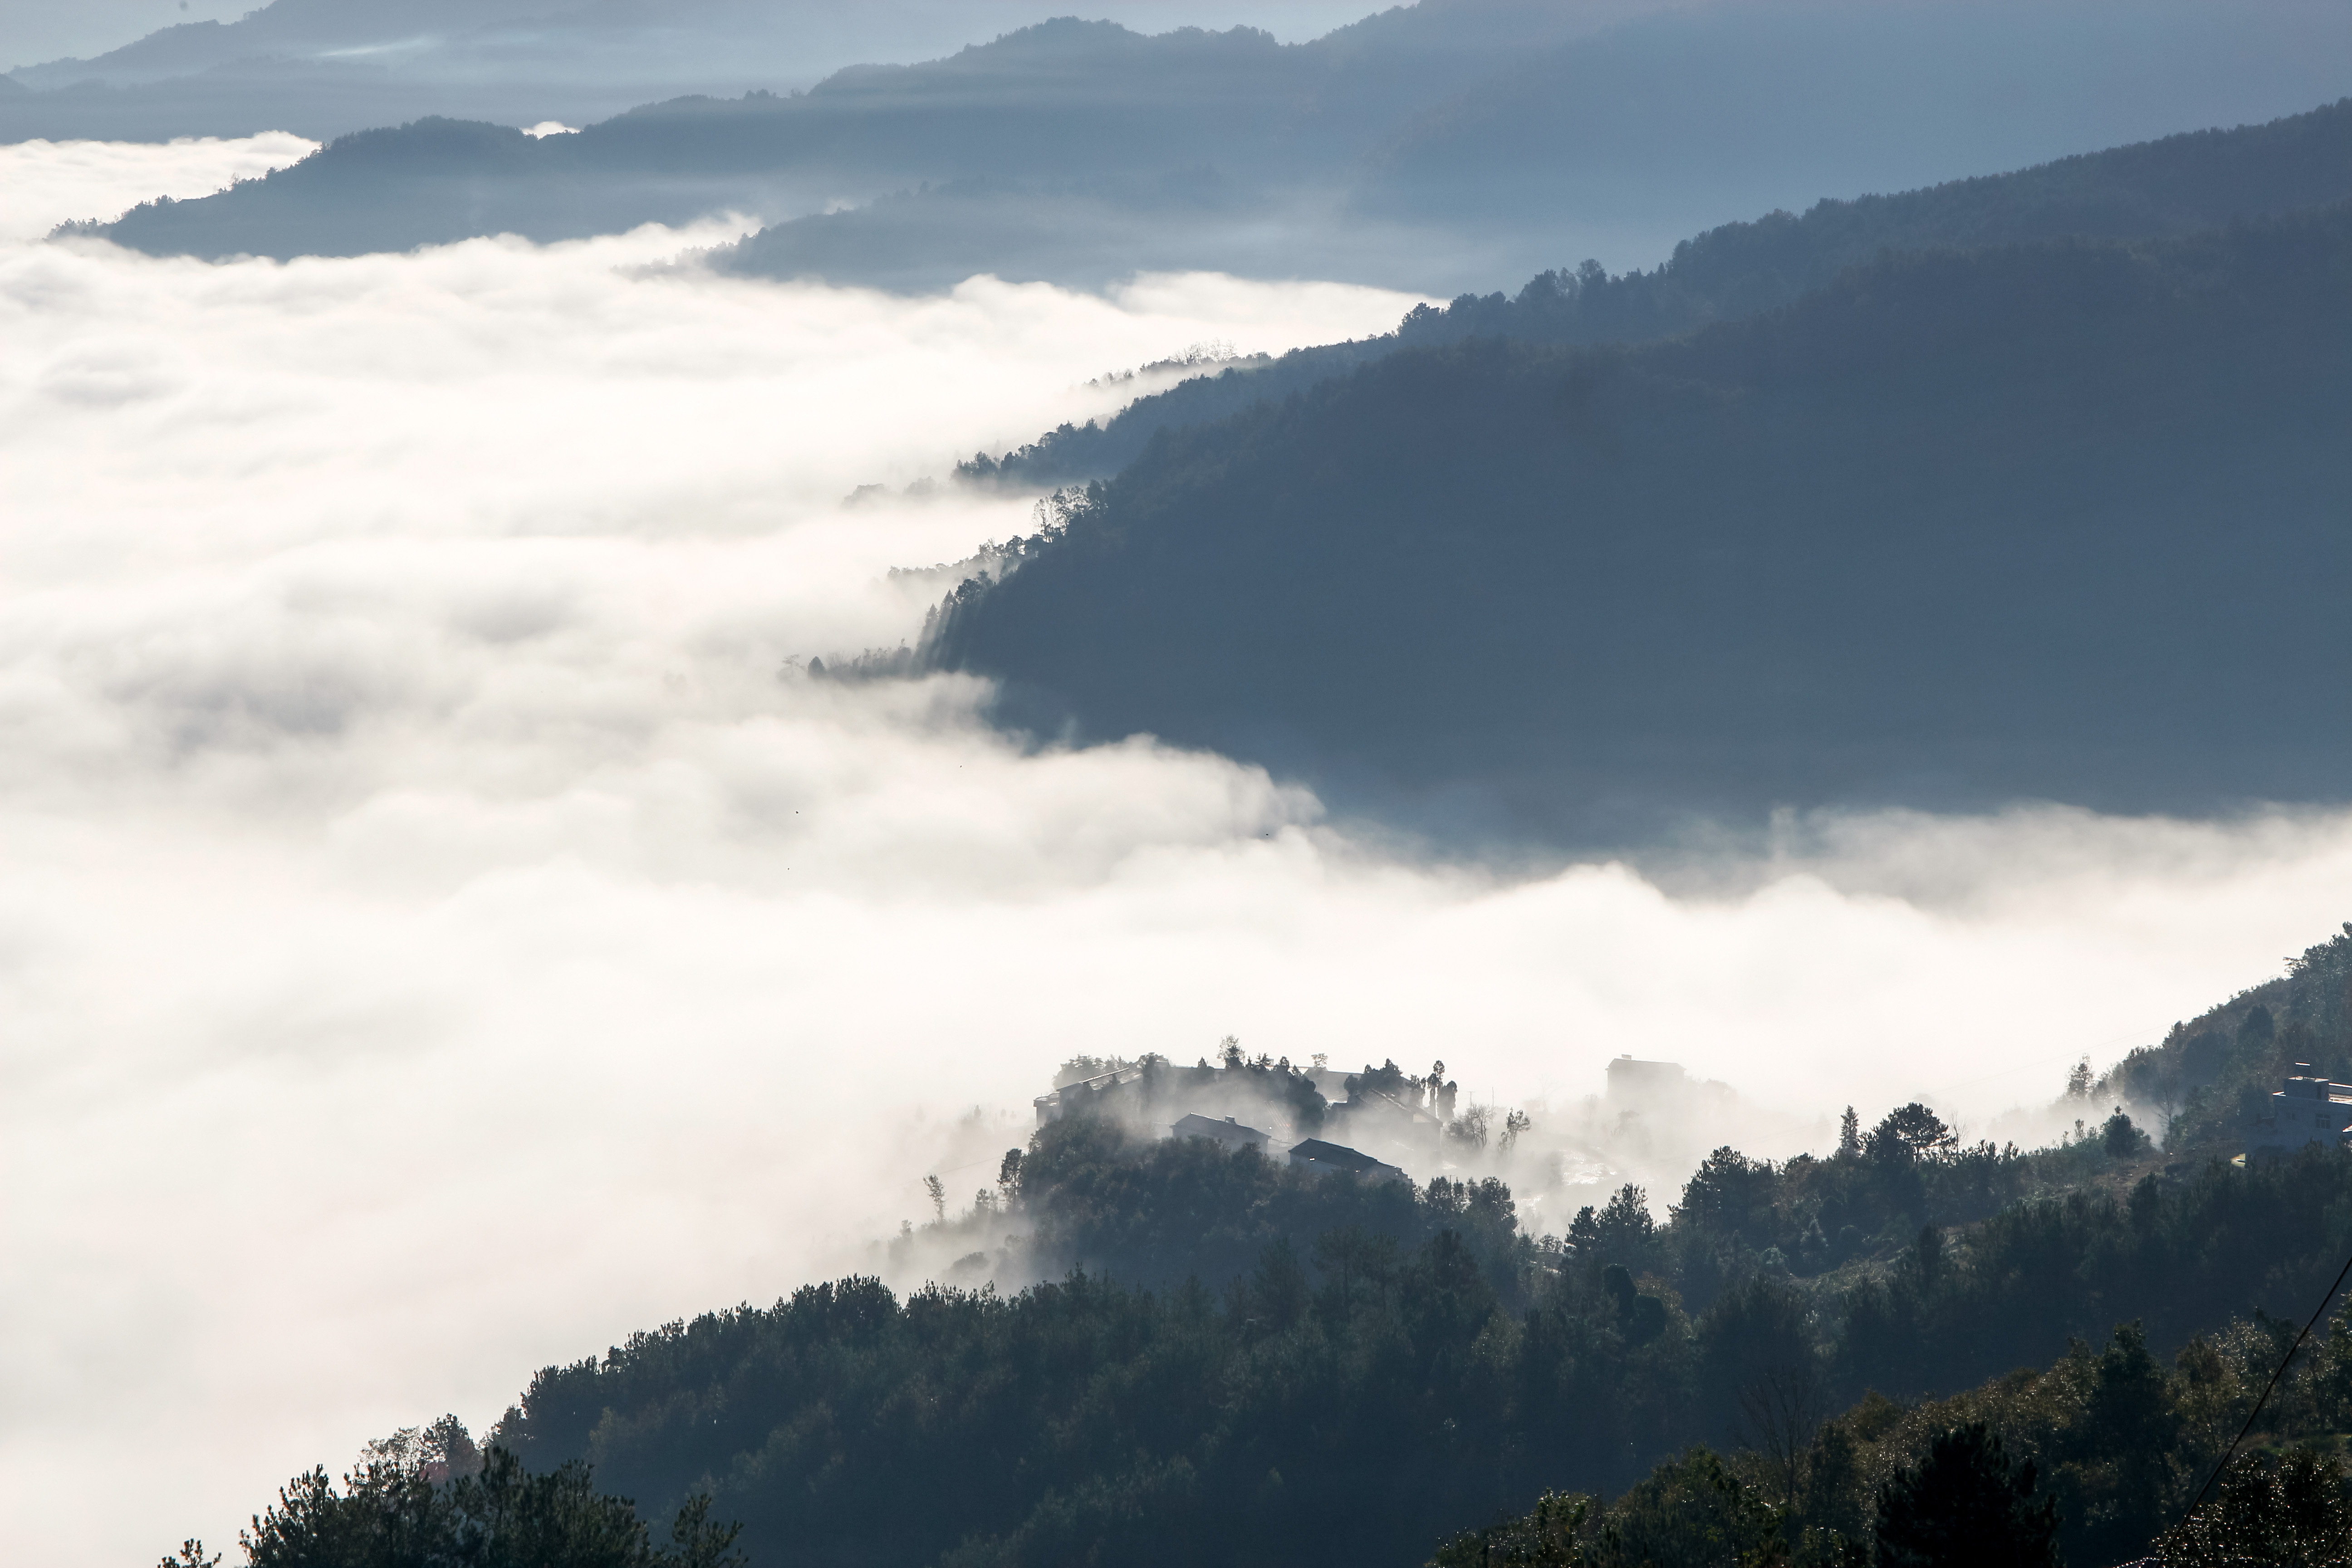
<point x="1229" y="1134"/>
<point x="1325" y="1158"/>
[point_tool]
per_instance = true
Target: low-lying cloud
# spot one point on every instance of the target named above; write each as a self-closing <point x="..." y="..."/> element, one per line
<point x="445" y="930"/>
<point x="45" y="183"/>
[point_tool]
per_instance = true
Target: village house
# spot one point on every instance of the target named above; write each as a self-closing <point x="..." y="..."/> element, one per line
<point x="1074" y="1097"/>
<point x="1230" y="1134"/>
<point x="1325" y="1158"/>
<point x="2307" y="1110"/>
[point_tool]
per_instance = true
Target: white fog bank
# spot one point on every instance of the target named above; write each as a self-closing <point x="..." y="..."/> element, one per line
<point x="45" y="183"/>
<point x="441" y="932"/>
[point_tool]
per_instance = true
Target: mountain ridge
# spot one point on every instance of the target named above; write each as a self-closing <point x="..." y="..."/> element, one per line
<point x="1588" y="591"/>
<point x="1078" y="152"/>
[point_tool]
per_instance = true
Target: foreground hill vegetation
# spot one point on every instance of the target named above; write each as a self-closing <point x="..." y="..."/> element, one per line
<point x="1398" y="1365"/>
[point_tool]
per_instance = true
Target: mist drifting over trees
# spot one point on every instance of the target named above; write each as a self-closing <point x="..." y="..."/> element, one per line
<point x="1800" y="1358"/>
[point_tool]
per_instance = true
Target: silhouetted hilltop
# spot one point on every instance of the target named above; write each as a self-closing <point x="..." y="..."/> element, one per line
<point x="424" y="183"/>
<point x="2171" y="187"/>
<point x="2148" y="190"/>
<point x="2051" y="520"/>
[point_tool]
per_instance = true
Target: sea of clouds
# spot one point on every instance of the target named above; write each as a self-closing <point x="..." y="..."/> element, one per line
<point x="444" y="928"/>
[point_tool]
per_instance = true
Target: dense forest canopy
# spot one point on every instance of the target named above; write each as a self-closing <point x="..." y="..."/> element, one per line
<point x="1958" y="529"/>
<point x="1272" y="1365"/>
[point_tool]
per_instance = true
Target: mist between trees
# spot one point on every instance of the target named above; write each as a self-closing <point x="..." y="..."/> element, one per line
<point x="1904" y="1350"/>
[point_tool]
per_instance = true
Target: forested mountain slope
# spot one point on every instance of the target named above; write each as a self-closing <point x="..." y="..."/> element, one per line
<point x="2059" y="520"/>
<point x="1352" y="1402"/>
<point x="2148" y="190"/>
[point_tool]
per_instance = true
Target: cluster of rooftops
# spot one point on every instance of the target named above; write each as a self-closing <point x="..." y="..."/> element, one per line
<point x="2306" y="1109"/>
<point x="1314" y="1154"/>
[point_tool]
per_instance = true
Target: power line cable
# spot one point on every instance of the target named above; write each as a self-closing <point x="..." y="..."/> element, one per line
<point x="2232" y="1452"/>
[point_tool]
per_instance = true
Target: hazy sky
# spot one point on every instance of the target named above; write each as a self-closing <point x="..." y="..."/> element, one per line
<point x="35" y="30"/>
<point x="443" y="932"/>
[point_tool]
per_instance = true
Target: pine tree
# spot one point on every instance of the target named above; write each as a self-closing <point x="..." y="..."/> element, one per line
<point x="1850" y="1135"/>
<point x="2285" y="1511"/>
<point x="1963" y="1507"/>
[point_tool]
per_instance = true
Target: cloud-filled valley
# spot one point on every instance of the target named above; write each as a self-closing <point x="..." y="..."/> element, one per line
<point x="447" y="928"/>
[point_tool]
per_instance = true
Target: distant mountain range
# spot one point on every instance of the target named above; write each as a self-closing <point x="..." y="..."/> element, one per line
<point x="1065" y="111"/>
<point x="1971" y="522"/>
<point x="327" y="68"/>
<point x="1433" y="147"/>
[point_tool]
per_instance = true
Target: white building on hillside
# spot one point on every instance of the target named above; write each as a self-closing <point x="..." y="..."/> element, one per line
<point x="2307" y="1110"/>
